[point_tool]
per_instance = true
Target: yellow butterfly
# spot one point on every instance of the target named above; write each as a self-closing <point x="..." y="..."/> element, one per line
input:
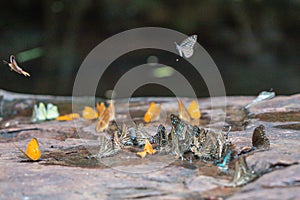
<point x="89" y="113"/>
<point x="192" y="112"/>
<point x="32" y="152"/>
<point x="152" y="113"/>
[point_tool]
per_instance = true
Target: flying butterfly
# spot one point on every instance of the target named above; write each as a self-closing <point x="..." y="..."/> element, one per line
<point x="186" y="47"/>
<point x="32" y="151"/>
<point x="14" y="66"/>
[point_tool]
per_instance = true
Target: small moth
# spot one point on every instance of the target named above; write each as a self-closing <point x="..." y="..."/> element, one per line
<point x="14" y="66"/>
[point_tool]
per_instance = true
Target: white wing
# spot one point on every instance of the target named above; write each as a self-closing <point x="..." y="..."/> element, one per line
<point x="187" y="52"/>
<point x="186" y="46"/>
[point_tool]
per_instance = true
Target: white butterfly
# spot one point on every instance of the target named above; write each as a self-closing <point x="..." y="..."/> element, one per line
<point x="186" y="46"/>
<point x="264" y="95"/>
<point x="40" y="113"/>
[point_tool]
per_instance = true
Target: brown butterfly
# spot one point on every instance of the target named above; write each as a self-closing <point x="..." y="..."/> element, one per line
<point x="14" y="66"/>
<point x="260" y="139"/>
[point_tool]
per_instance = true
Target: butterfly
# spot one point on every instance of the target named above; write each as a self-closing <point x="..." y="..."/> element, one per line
<point x="264" y="95"/>
<point x="105" y="116"/>
<point x="192" y="112"/>
<point x="107" y="147"/>
<point x="89" y="113"/>
<point x="260" y="139"/>
<point x="242" y="173"/>
<point x="147" y="149"/>
<point x="14" y="66"/>
<point x="152" y="113"/>
<point x="40" y="113"/>
<point x="68" y="117"/>
<point x="32" y="151"/>
<point x="186" y="46"/>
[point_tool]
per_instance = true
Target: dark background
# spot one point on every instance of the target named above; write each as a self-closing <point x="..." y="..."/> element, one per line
<point x="254" y="43"/>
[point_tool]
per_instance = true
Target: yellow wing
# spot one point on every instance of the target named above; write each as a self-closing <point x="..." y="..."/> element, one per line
<point x="194" y="110"/>
<point x="182" y="112"/>
<point x="33" y="152"/>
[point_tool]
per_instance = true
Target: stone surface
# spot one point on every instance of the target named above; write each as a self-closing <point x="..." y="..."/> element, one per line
<point x="66" y="170"/>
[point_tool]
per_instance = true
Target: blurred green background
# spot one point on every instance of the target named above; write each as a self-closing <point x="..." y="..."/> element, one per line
<point x="254" y="43"/>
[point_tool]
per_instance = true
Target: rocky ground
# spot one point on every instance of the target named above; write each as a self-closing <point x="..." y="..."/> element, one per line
<point x="67" y="170"/>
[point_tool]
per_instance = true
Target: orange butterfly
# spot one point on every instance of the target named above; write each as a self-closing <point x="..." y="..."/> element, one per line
<point x="152" y="113"/>
<point x="147" y="149"/>
<point x="192" y="112"/>
<point x="68" y="117"/>
<point x="32" y="152"/>
<point x="89" y="113"/>
<point x="105" y="116"/>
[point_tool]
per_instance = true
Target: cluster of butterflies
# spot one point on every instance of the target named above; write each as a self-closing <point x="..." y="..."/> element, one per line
<point x="188" y="115"/>
<point x="43" y="113"/>
<point x="102" y="113"/>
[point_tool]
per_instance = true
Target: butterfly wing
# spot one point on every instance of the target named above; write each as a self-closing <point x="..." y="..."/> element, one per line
<point x="33" y="152"/>
<point x="194" y="111"/>
<point x="106" y="148"/>
<point x="260" y="139"/>
<point x="52" y="111"/>
<point x="103" y="121"/>
<point x="89" y="113"/>
<point x="178" y="47"/>
<point x="187" y="52"/>
<point x="152" y="113"/>
<point x="41" y="114"/>
<point x="182" y="112"/>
